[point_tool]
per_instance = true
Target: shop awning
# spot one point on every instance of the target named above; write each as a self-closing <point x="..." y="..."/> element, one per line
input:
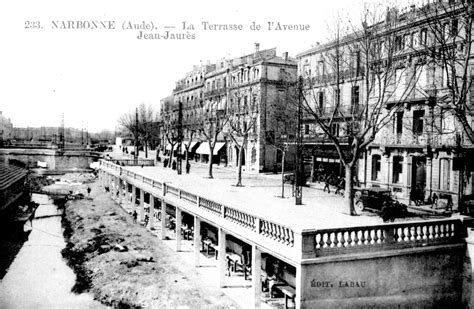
<point x="204" y="148"/>
<point x="183" y="147"/>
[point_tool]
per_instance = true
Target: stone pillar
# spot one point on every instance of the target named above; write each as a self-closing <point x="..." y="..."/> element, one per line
<point x="221" y="259"/>
<point x="163" y="220"/>
<point x="134" y="192"/>
<point x="197" y="240"/>
<point x="256" y="280"/>
<point x="151" y="217"/>
<point x="178" y="229"/>
<point x="298" y="286"/>
<point x="111" y="185"/>
<point x="120" y="184"/>
<point x="142" y="205"/>
<point x="429" y="178"/>
<point x="117" y="189"/>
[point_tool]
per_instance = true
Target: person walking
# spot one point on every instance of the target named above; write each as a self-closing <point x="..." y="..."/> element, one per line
<point x="135" y="215"/>
<point x="327" y="182"/>
<point x="89" y="191"/>
<point x="188" y="167"/>
<point x="340" y="186"/>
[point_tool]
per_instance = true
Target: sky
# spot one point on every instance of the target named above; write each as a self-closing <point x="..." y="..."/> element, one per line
<point x="91" y="77"/>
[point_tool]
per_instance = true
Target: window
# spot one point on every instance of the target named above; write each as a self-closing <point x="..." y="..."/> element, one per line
<point x="321" y="68"/>
<point x="454" y="27"/>
<point x="399" y="123"/>
<point x="423" y="34"/>
<point x="397" y="169"/>
<point x="306" y="70"/>
<point x="321" y="102"/>
<point x="355" y="98"/>
<point x="306" y="129"/>
<point x="337" y="96"/>
<point x="398" y="43"/>
<point x="376" y="167"/>
<point x="444" y="174"/>
<point x="418" y="121"/>
<point x="355" y="63"/>
<point x="408" y="40"/>
<point x="335" y="129"/>
<point x="414" y="39"/>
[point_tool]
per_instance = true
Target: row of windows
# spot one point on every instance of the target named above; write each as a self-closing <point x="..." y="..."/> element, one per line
<point x="397" y="171"/>
<point x="243" y="75"/>
<point x="355" y="97"/>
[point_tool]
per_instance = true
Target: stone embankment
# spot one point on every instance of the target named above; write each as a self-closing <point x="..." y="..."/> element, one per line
<point x="124" y="265"/>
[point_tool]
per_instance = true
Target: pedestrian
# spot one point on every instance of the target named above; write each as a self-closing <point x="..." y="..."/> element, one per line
<point x="135" y="215"/>
<point x="340" y="186"/>
<point x="174" y="165"/>
<point x="327" y="181"/>
<point x="89" y="191"/>
<point x="188" y="167"/>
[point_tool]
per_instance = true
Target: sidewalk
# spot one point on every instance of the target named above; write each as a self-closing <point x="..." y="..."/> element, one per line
<point x="261" y="196"/>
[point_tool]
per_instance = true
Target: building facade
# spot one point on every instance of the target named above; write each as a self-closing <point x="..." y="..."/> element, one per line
<point x="239" y="97"/>
<point x="411" y="64"/>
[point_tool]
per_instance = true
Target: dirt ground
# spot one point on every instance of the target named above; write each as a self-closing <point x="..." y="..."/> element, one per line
<point x="128" y="279"/>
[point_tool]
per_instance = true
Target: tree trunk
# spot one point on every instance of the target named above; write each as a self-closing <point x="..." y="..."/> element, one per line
<point x="239" y="164"/>
<point x="211" y="152"/>
<point x="348" y="196"/>
<point x="146" y="149"/>
<point x="186" y="155"/>
<point x="171" y="156"/>
<point x="283" y="174"/>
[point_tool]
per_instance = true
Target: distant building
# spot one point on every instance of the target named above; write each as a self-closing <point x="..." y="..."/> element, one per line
<point x="247" y="92"/>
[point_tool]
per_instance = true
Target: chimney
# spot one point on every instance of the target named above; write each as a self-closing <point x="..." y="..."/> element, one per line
<point x="257" y="47"/>
<point x="285" y="56"/>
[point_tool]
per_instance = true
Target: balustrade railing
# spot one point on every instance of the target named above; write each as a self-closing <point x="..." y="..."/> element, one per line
<point x="240" y="218"/>
<point x="188" y="196"/>
<point x="326" y="242"/>
<point x="133" y="162"/>
<point x="210" y="206"/>
<point x="172" y="190"/>
<point x="277" y="232"/>
<point x="385" y="237"/>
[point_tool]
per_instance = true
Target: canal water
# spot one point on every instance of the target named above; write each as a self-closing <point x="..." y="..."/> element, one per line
<point x="39" y="276"/>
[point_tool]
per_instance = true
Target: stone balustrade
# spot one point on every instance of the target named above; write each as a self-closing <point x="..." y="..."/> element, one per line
<point x="318" y="242"/>
<point x="383" y="237"/>
<point x="210" y="206"/>
<point x="133" y="162"/>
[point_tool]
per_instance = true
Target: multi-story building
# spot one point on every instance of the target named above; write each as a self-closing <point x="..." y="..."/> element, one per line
<point x="246" y="94"/>
<point x="417" y="150"/>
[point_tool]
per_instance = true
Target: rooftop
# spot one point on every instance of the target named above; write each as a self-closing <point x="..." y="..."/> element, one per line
<point x="10" y="174"/>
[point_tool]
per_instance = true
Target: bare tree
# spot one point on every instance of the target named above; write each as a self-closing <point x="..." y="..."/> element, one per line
<point x="242" y="121"/>
<point x="367" y="58"/>
<point x="142" y="123"/>
<point x="447" y="41"/>
<point x="211" y="123"/>
<point x="147" y="125"/>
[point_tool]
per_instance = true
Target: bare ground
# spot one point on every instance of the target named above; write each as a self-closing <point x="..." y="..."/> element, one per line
<point x="124" y="279"/>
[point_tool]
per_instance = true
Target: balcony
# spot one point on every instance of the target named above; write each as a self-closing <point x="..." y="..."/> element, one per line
<point x="421" y="140"/>
<point x="214" y="92"/>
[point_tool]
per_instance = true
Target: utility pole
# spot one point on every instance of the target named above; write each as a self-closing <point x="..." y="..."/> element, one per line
<point x="135" y="155"/>
<point x="180" y="138"/>
<point x="299" y="175"/>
